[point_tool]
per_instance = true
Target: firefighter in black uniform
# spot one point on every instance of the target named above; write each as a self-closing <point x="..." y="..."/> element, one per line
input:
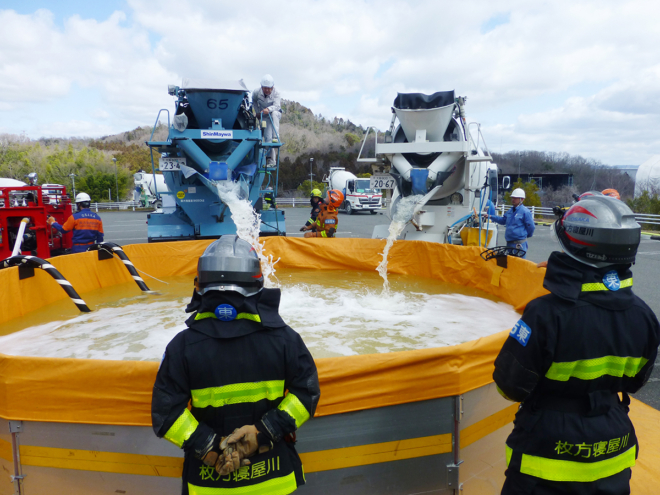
<point x="243" y="370"/>
<point x="571" y="354"/>
<point x="316" y="200"/>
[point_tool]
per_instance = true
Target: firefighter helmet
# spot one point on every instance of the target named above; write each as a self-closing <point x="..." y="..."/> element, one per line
<point x="316" y="193"/>
<point x="230" y="264"/>
<point x="589" y="193"/>
<point x="335" y="198"/>
<point x="599" y="231"/>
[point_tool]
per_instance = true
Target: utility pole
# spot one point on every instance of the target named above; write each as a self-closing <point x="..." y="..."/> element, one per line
<point x="311" y="181"/>
<point x="116" y="183"/>
<point x="73" y="181"/>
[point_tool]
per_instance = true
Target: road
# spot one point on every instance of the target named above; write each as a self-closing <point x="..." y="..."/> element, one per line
<point x="131" y="228"/>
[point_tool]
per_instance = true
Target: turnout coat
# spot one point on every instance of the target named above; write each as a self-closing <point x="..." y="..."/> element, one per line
<point x="567" y="360"/>
<point x="253" y="369"/>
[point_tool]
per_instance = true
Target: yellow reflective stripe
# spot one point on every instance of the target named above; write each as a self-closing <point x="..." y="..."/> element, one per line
<point x="590" y="369"/>
<point x="239" y="316"/>
<point x="323" y="234"/>
<point x="237" y="393"/>
<point x="183" y="427"/>
<point x="276" y="486"/>
<point x="294" y="408"/>
<point x="628" y="282"/>
<point x="248" y="316"/>
<point x="501" y="392"/>
<point x="556" y="470"/>
<point x="509" y="453"/>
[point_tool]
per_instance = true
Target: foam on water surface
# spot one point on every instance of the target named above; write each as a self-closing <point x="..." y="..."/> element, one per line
<point x="338" y="313"/>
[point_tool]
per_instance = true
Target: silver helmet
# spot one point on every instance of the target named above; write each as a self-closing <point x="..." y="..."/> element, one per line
<point x="599" y="231"/>
<point x="230" y="264"/>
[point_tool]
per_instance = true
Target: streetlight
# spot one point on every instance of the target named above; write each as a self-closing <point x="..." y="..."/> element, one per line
<point x="116" y="183"/>
<point x="73" y="181"/>
<point x="311" y="184"/>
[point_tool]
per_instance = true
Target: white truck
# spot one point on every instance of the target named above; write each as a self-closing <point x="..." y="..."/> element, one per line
<point x="357" y="193"/>
<point x="145" y="192"/>
<point x="437" y="163"/>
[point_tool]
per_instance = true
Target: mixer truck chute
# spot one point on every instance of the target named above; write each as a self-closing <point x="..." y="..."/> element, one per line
<point x="214" y="144"/>
<point x="357" y="191"/>
<point x="434" y="156"/>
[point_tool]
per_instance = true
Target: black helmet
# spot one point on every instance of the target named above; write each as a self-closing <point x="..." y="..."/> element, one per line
<point x="599" y="231"/>
<point x="230" y="264"/>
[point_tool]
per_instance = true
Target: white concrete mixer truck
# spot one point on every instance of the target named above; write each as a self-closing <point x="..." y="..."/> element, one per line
<point x="358" y="195"/>
<point x="145" y="191"/>
<point x="434" y="158"/>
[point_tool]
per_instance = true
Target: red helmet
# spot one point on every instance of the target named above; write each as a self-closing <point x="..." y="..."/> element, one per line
<point x="612" y="193"/>
<point x="335" y="198"/>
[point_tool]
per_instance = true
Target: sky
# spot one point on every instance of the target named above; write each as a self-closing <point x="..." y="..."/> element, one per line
<point x="574" y="76"/>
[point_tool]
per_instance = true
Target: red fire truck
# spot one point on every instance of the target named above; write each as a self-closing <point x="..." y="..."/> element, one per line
<point x="36" y="204"/>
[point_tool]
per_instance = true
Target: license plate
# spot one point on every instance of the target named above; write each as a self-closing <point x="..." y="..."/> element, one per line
<point x="170" y="164"/>
<point x="382" y="182"/>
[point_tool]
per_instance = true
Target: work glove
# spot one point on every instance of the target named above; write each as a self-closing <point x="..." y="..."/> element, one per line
<point x="50" y="220"/>
<point x="247" y="441"/>
<point x="302" y="229"/>
<point x="229" y="462"/>
<point x="309" y="234"/>
<point x="211" y="451"/>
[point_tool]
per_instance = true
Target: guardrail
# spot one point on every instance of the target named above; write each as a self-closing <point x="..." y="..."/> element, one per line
<point x="642" y="218"/>
<point x="125" y="205"/>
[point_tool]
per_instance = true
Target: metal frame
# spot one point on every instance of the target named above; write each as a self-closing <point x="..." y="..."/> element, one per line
<point x="15" y="428"/>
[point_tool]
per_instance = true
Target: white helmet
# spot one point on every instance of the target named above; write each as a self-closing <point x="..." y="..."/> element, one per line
<point x="82" y="198"/>
<point x="518" y="193"/>
<point x="267" y="81"/>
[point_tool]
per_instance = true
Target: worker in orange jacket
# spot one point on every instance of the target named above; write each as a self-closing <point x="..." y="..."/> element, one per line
<point x="326" y="221"/>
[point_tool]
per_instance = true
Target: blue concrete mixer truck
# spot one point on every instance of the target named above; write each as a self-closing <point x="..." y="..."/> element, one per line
<point x="214" y="154"/>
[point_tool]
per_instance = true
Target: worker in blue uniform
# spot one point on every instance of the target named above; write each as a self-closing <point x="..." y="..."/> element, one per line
<point x="573" y="358"/>
<point x="86" y="225"/>
<point x="248" y="377"/>
<point x="519" y="222"/>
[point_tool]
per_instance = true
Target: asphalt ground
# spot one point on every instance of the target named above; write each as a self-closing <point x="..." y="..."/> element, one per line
<point x="131" y="228"/>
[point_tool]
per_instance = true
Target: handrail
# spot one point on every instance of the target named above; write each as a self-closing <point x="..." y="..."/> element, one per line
<point x="153" y="131"/>
<point x="366" y="134"/>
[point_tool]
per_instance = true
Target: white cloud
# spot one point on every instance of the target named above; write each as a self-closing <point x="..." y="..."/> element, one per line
<point x="568" y="76"/>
